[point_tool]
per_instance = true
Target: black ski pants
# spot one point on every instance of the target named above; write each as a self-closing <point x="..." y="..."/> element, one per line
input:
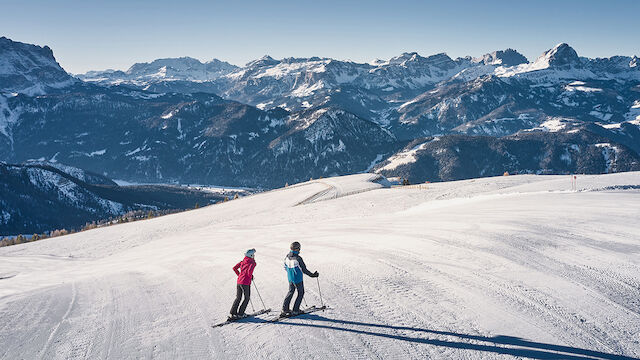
<point x="240" y="290"/>
<point x="287" y="300"/>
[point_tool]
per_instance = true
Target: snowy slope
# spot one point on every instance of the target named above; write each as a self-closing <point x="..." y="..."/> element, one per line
<point x="484" y="268"/>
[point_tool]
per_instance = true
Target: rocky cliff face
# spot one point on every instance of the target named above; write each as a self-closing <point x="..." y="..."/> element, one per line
<point x="29" y="69"/>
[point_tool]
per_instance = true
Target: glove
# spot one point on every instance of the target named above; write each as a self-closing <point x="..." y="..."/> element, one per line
<point x="252" y="277"/>
<point x="315" y="274"/>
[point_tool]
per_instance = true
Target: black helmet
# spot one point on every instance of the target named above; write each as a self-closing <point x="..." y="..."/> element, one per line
<point x="295" y="246"/>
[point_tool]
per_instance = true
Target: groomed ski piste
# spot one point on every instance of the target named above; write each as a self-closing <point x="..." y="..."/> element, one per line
<point x="502" y="267"/>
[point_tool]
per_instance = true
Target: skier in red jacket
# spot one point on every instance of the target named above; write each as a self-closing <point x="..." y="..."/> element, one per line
<point x="245" y="275"/>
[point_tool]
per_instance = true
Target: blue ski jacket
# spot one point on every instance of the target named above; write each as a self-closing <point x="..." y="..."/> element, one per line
<point x="295" y="267"/>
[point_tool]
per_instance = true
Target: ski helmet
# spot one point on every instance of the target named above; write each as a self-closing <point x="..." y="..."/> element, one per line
<point x="295" y="246"/>
<point x="250" y="253"/>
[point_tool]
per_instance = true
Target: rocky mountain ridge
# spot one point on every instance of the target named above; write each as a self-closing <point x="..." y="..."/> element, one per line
<point x="273" y="122"/>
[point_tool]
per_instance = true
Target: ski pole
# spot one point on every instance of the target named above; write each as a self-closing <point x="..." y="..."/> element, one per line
<point x="319" y="292"/>
<point x="264" y="307"/>
<point x="252" y="308"/>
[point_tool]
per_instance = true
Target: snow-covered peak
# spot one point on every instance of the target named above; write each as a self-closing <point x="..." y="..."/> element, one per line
<point x="267" y="67"/>
<point x="266" y="60"/>
<point x="183" y="68"/>
<point x="183" y="63"/>
<point x="403" y="58"/>
<point x="626" y="66"/>
<point x="96" y="73"/>
<point x="439" y="60"/>
<point x="508" y="57"/>
<point x="558" y="63"/>
<point x="560" y="56"/>
<point x="28" y="54"/>
<point x="412" y="71"/>
<point x="29" y="69"/>
<point x="413" y="59"/>
<point x="220" y="63"/>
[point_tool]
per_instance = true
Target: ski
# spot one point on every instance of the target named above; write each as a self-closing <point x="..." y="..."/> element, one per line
<point x="260" y="312"/>
<point x="304" y="312"/>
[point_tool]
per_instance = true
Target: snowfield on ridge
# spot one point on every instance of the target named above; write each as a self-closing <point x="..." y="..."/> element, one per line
<point x="502" y="267"/>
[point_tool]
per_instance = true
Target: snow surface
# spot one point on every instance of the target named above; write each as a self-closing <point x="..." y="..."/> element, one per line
<point x="634" y="112"/>
<point x="485" y="268"/>
<point x="576" y="87"/>
<point x="553" y="125"/>
<point x="406" y="156"/>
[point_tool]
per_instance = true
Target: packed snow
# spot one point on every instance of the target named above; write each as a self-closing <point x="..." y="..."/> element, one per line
<point x="514" y="266"/>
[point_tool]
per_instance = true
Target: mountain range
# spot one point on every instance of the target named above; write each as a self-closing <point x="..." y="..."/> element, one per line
<point x="273" y="122"/>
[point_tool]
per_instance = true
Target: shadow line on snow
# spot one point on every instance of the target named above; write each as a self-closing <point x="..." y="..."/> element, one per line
<point x="521" y="347"/>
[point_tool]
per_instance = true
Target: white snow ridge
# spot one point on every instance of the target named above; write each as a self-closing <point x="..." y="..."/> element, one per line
<point x="493" y="268"/>
<point x="406" y="156"/>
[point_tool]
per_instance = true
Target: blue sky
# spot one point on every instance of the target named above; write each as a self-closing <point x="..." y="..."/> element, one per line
<point x="88" y="34"/>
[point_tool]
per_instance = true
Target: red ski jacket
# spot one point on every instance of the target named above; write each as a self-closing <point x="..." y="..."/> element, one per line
<point x="246" y="270"/>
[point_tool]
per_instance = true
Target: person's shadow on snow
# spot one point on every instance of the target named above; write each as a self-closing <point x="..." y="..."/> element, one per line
<point x="501" y="344"/>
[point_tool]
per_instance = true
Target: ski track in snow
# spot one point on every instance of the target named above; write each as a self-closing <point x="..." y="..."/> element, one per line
<point x="502" y="267"/>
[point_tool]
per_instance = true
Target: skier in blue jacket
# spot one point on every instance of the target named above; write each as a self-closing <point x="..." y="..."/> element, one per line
<point x="295" y="267"/>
